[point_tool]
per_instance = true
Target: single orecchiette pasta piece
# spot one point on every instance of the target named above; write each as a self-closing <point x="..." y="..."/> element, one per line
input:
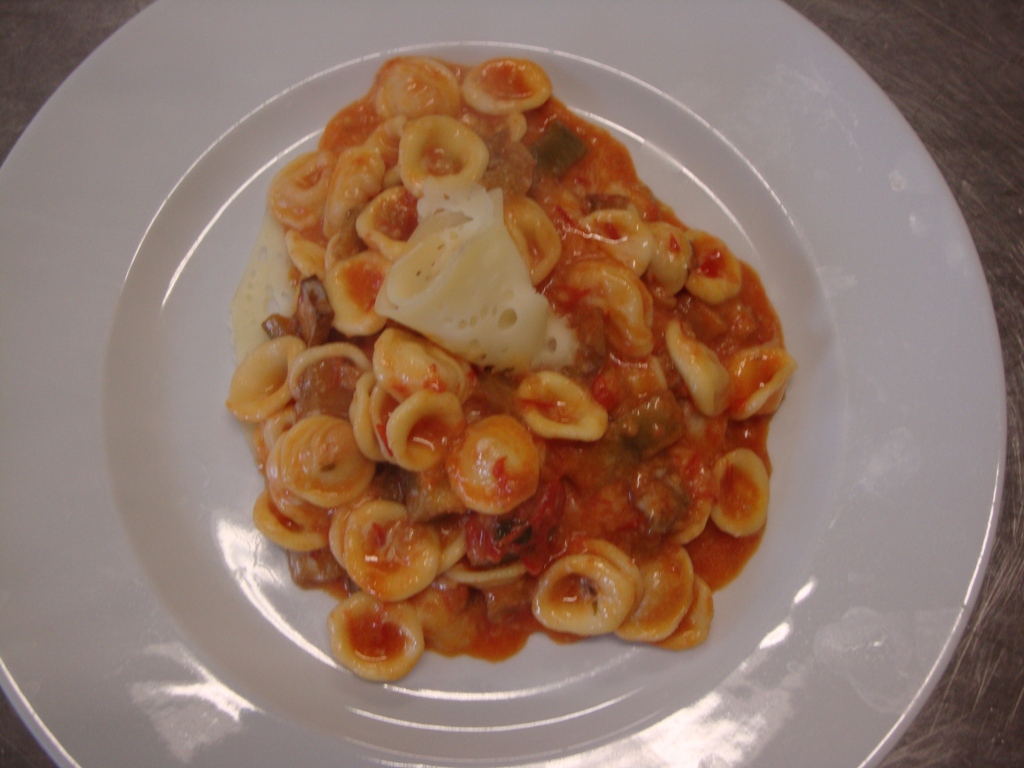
<point x="318" y="460"/>
<point x="583" y="595"/>
<point x="666" y="597"/>
<point x="501" y="86"/>
<point x="358" y="177"/>
<point x="715" y="273"/>
<point x="405" y="363"/>
<point x="759" y="379"/>
<point x="259" y="385"/>
<point x="693" y="629"/>
<point x="285" y="535"/>
<point x="534" y="235"/>
<point x="705" y="377"/>
<point x="625" y="302"/>
<point x="414" y="86"/>
<point x="742" y="506"/>
<point x="360" y="414"/>
<point x="375" y="640"/>
<point x="352" y="285"/>
<point x="305" y="255"/>
<point x="386" y="223"/>
<point x="670" y="261"/>
<point x="387" y="554"/>
<point x="483" y="578"/>
<point x="348" y="353"/>
<point x="495" y="466"/>
<point x="555" y="406"/>
<point x="442" y="149"/>
<point x="420" y="428"/>
<point x="623" y="235"/>
<point x="299" y="190"/>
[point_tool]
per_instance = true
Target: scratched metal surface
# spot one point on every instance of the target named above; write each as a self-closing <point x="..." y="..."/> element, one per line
<point x="955" y="68"/>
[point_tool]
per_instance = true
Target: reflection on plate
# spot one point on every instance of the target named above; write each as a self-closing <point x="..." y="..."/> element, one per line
<point x="871" y="551"/>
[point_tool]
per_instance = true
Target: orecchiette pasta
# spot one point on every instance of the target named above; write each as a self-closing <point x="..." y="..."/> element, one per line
<point x="382" y="405"/>
<point x="665" y="599"/>
<point x="759" y="375"/>
<point x="360" y="414"/>
<point x="514" y="393"/>
<point x="306" y="255"/>
<point x="486" y="577"/>
<point x="289" y="504"/>
<point x="285" y="534"/>
<point x="583" y="595"/>
<point x="495" y="466"/>
<point x="416" y="85"/>
<point x="624" y="235"/>
<point x="534" y="234"/>
<point x="358" y="177"/>
<point x="743" y="500"/>
<point x="345" y="353"/>
<point x="387" y="221"/>
<point x="671" y="257"/>
<point x="352" y="286"/>
<point x="405" y="363"/>
<point x="555" y="406"/>
<point x="319" y="462"/>
<point x="696" y="624"/>
<point x="259" y="387"/>
<point x="343" y="244"/>
<point x="442" y="150"/>
<point x="502" y="86"/>
<point x="387" y="554"/>
<point x="453" y="548"/>
<point x="385" y="139"/>
<point x="271" y="428"/>
<point x="299" y="190"/>
<point x="419" y="429"/>
<point x="706" y="379"/>
<point x="715" y="275"/>
<point x="617" y="292"/>
<point x="376" y="640"/>
<point x="617" y="557"/>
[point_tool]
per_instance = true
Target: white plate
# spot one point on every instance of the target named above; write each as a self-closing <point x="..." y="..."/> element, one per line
<point x="143" y="623"/>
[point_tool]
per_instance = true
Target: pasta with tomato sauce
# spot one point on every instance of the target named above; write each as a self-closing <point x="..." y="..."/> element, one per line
<point x="514" y="393"/>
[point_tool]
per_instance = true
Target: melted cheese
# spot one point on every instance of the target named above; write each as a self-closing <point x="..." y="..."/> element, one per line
<point x="463" y="284"/>
<point x="263" y="290"/>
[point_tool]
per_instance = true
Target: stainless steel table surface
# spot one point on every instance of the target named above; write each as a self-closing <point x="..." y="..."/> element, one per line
<point x="955" y="68"/>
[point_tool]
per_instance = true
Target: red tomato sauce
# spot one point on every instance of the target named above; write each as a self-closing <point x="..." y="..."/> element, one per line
<point x="606" y="489"/>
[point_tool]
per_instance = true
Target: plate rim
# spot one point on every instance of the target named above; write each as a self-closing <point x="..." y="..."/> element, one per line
<point x="37" y="726"/>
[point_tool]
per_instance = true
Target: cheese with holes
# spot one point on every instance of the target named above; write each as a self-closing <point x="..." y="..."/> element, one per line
<point x="463" y="284"/>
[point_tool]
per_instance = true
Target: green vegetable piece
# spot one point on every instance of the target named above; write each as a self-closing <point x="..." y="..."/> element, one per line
<point x="557" y="149"/>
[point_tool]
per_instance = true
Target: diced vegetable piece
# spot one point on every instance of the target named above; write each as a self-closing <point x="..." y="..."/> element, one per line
<point x="558" y="148"/>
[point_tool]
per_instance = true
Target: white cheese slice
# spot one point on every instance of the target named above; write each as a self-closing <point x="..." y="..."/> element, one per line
<point x="264" y="289"/>
<point x="463" y="284"/>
